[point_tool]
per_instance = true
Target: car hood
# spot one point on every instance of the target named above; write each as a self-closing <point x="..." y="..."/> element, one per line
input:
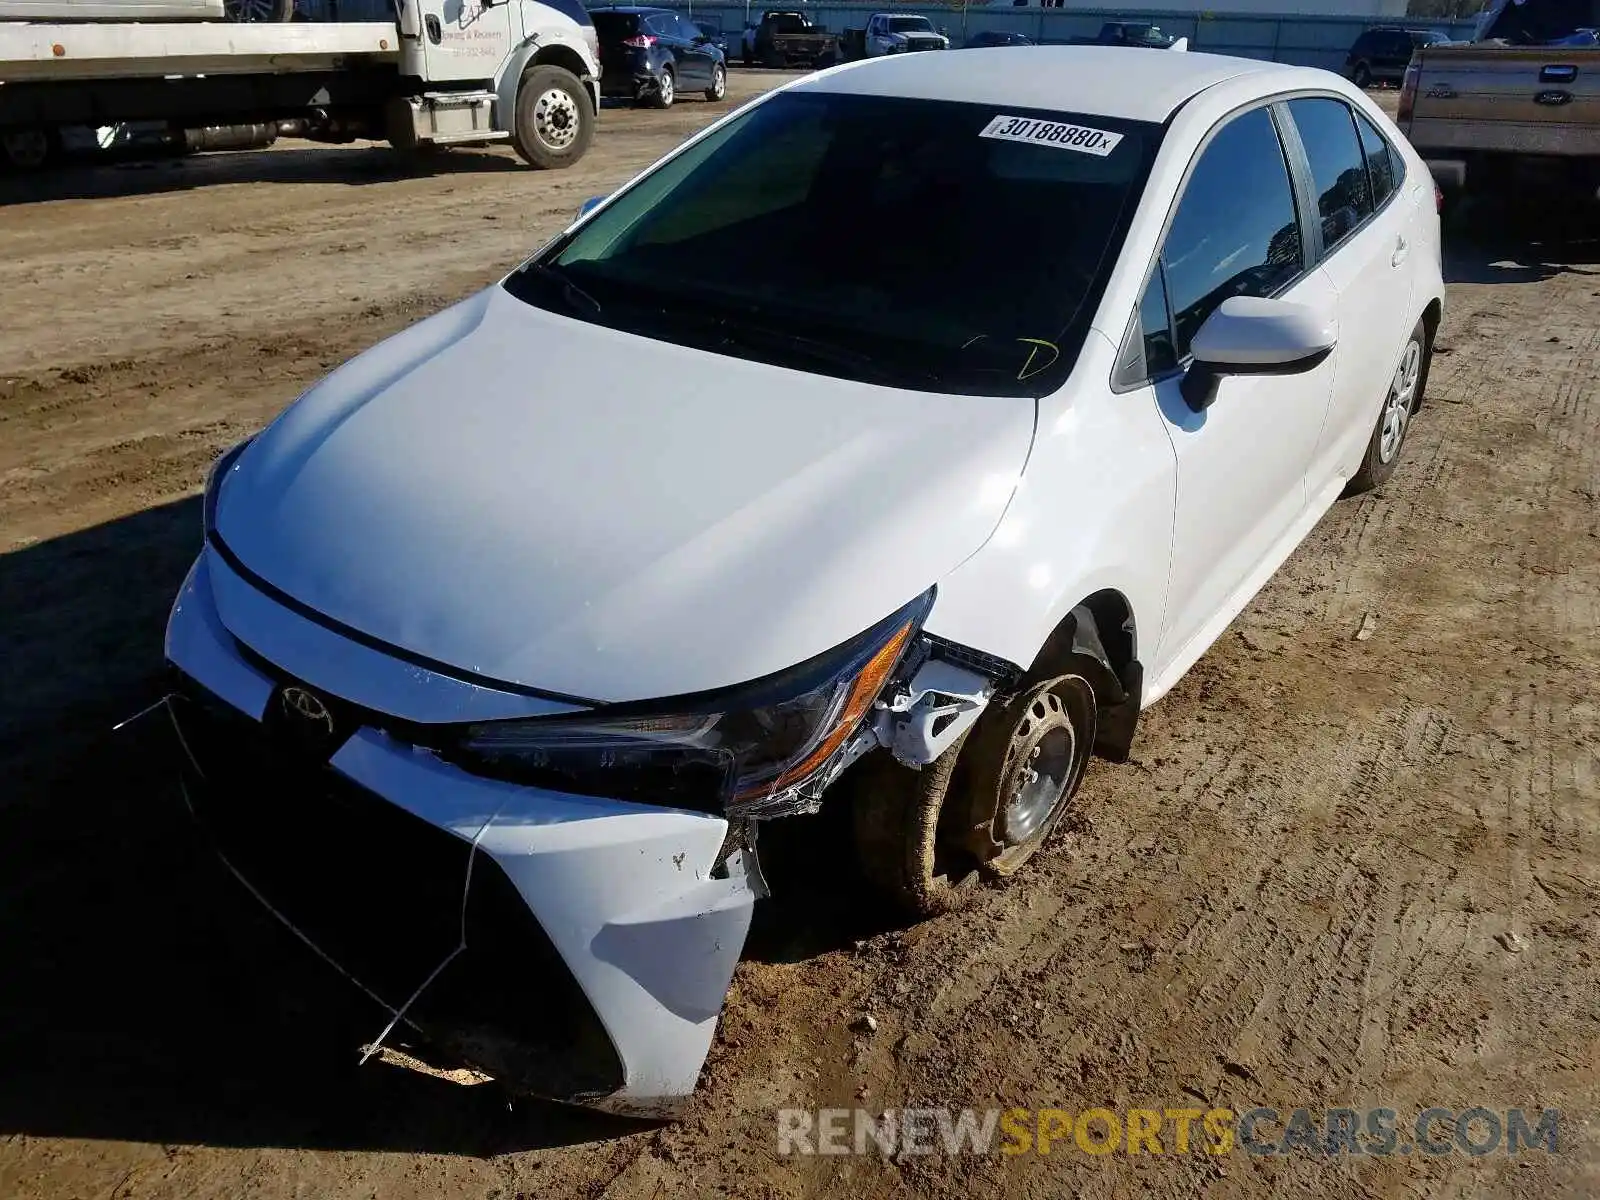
<point x="562" y="506"/>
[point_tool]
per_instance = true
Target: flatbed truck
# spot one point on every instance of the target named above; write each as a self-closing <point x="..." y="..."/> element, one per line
<point x="444" y="72"/>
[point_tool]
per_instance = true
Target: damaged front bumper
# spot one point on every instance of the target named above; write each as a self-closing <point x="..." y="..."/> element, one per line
<point x="575" y="948"/>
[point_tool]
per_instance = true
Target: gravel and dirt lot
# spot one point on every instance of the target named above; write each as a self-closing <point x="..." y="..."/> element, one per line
<point x="1341" y="871"/>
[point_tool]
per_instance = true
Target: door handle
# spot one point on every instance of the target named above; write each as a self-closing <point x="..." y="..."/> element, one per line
<point x="1401" y="249"/>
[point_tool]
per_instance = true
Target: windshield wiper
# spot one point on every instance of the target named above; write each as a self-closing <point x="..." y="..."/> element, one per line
<point x="759" y="337"/>
<point x="576" y="298"/>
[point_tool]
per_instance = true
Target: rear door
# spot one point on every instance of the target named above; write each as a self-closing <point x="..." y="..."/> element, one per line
<point x="1363" y="242"/>
<point x="690" y="61"/>
<point x="695" y="53"/>
<point x="1395" y="52"/>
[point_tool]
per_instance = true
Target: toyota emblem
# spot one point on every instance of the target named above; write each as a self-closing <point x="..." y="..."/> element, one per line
<point x="306" y="710"/>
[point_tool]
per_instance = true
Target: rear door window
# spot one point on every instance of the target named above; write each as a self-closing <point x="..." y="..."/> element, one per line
<point x="1338" y="168"/>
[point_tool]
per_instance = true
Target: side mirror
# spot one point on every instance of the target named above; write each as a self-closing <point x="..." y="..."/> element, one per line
<point x="589" y="205"/>
<point x="1251" y="335"/>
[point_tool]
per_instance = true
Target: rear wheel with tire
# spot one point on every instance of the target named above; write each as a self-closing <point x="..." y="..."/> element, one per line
<point x="719" y="83"/>
<point x="1361" y="76"/>
<point x="1394" y="418"/>
<point x="666" y="90"/>
<point x="984" y="807"/>
<point x="555" y="121"/>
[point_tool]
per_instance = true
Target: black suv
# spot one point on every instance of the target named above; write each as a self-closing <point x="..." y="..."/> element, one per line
<point x="1380" y="55"/>
<point x="651" y="55"/>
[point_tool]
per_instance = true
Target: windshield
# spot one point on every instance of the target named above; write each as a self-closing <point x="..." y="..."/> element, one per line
<point x="917" y="243"/>
<point x="910" y="25"/>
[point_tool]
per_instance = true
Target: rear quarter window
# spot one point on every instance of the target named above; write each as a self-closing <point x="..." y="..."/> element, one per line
<point x="1383" y="162"/>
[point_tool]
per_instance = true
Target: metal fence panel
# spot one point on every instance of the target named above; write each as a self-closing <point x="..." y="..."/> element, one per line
<point x="1291" y="38"/>
<point x="1312" y="41"/>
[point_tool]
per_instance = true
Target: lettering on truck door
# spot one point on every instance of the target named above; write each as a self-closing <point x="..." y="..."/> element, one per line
<point x="463" y="39"/>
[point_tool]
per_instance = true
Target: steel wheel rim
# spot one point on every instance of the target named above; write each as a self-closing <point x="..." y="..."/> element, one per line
<point x="666" y="87"/>
<point x="1042" y="774"/>
<point x="555" y="119"/>
<point x="1397" y="408"/>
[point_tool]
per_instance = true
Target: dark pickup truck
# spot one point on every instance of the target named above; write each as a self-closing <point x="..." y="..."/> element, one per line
<point x="788" y="39"/>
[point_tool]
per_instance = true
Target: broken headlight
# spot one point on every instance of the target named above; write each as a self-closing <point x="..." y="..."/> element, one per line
<point x="736" y="749"/>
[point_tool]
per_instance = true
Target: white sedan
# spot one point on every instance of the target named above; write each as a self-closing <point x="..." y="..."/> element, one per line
<point x="509" y="636"/>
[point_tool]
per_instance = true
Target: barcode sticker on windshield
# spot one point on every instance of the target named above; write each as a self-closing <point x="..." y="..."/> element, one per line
<point x="1099" y="142"/>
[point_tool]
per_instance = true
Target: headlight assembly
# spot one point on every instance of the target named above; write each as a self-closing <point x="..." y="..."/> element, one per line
<point x="739" y="750"/>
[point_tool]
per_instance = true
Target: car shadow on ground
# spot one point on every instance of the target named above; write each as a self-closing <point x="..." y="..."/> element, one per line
<point x="1501" y="239"/>
<point x="147" y="997"/>
<point x="352" y="166"/>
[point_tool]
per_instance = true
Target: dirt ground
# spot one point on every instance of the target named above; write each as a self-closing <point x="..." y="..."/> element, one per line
<point x="1340" y="871"/>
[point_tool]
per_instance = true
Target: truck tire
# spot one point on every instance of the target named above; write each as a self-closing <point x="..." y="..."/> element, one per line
<point x="555" y="122"/>
<point x="257" y="11"/>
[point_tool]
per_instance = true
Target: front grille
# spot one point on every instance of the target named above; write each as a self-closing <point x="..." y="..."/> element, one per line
<point x="380" y="892"/>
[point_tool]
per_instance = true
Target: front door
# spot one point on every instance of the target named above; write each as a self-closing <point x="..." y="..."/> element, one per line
<point x="1242" y="462"/>
<point x="463" y="39"/>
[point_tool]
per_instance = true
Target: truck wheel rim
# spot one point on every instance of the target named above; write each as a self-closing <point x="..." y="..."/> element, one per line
<point x="1397" y="409"/>
<point x="555" y="119"/>
<point x="26" y="148"/>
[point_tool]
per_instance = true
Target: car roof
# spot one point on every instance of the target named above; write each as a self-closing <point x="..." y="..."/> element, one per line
<point x="1113" y="81"/>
